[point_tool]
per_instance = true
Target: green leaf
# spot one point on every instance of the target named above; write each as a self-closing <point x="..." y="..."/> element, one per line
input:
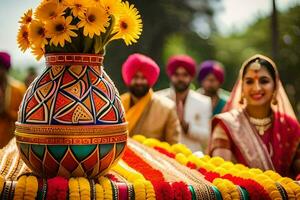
<point x="98" y="44"/>
<point x="88" y="44"/>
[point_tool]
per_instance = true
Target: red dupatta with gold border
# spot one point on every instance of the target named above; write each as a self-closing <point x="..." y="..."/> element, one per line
<point x="285" y="137"/>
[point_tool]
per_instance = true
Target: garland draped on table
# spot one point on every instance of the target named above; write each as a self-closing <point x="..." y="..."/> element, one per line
<point x="150" y="170"/>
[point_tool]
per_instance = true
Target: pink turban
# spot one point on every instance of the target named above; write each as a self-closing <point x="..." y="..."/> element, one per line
<point x="181" y="61"/>
<point x="138" y="62"/>
<point x="211" y="66"/>
<point x="5" y="60"/>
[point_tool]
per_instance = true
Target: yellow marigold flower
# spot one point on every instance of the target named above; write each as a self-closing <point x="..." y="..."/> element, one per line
<point x="181" y="158"/>
<point x="27" y="17"/>
<point x="273" y="175"/>
<point x="139" y="138"/>
<point x="240" y="167"/>
<point x="37" y="33"/>
<point x="93" y="21"/>
<point x="23" y="38"/>
<point x="165" y="145"/>
<point x="128" y="25"/>
<point x="181" y="148"/>
<point x="78" y="7"/>
<point x="60" y="30"/>
<point x="151" y="142"/>
<point x="222" y="171"/>
<point x="205" y="158"/>
<point x="49" y="11"/>
<point x="217" y="161"/>
<point x="227" y="165"/>
<point x="112" y="7"/>
<point x="256" y="171"/>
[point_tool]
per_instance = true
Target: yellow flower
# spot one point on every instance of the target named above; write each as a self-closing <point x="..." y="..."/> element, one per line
<point x="38" y="51"/>
<point x="129" y="24"/>
<point x="112" y="7"/>
<point x="217" y="161"/>
<point x="61" y="2"/>
<point x="22" y="38"/>
<point x="93" y="21"/>
<point x="139" y="138"/>
<point x="49" y="11"/>
<point x="37" y="33"/>
<point x="60" y="30"/>
<point x="27" y="17"/>
<point x="78" y="7"/>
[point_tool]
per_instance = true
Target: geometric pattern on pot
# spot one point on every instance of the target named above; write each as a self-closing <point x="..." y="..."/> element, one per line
<point x="74" y="160"/>
<point x="72" y="94"/>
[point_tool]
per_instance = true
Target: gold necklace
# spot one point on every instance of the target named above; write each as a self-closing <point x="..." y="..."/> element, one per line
<point x="261" y="124"/>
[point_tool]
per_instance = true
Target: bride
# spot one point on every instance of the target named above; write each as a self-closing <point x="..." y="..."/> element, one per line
<point x="260" y="129"/>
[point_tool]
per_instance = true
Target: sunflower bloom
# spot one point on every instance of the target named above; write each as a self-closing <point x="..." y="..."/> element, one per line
<point x="38" y="52"/>
<point x="60" y="30"/>
<point x="60" y="2"/>
<point x="27" y="17"/>
<point x="37" y="33"/>
<point x="49" y="11"/>
<point x="129" y="24"/>
<point x="23" y="39"/>
<point x="93" y="22"/>
<point x="112" y="7"/>
<point x="78" y="7"/>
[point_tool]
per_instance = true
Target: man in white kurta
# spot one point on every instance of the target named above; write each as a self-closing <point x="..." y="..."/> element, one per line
<point x="194" y="110"/>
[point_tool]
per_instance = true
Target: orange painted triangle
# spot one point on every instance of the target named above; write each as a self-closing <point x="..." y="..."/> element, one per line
<point x="98" y="101"/>
<point x="62" y="101"/>
<point x="31" y="104"/>
<point x="67" y="78"/>
<point x="110" y="115"/>
<point x="38" y="115"/>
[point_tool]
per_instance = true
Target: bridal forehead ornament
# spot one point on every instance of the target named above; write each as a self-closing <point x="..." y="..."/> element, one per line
<point x="255" y="65"/>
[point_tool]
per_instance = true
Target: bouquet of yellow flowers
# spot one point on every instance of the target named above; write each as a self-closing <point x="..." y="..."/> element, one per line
<point x="78" y="26"/>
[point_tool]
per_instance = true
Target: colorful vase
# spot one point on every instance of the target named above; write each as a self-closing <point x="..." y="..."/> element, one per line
<point x="71" y="120"/>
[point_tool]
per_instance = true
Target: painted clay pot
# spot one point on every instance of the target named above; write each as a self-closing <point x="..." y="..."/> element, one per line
<point x="71" y="120"/>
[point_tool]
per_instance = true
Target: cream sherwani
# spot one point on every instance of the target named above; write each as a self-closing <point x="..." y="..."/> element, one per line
<point x="197" y="113"/>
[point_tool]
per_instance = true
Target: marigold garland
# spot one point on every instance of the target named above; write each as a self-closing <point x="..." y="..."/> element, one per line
<point x="73" y="189"/>
<point x="31" y="188"/>
<point x="143" y="188"/>
<point x="99" y="191"/>
<point x="1" y="183"/>
<point x="20" y="188"/>
<point x="107" y="188"/>
<point x="259" y="184"/>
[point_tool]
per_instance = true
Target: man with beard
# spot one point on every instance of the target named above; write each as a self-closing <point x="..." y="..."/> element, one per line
<point x="147" y="113"/>
<point x="193" y="109"/>
<point x="211" y="77"/>
<point x="11" y="94"/>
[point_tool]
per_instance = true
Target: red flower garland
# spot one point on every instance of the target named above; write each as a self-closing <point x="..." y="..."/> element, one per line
<point x="255" y="190"/>
<point x="163" y="190"/>
<point x="181" y="191"/>
<point x="57" y="188"/>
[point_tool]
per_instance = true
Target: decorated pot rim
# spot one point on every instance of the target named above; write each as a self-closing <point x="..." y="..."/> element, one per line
<point x="73" y="58"/>
<point x="71" y="130"/>
<point x="69" y="140"/>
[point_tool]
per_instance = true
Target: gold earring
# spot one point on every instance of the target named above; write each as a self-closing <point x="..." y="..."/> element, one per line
<point x="242" y="99"/>
<point x="274" y="100"/>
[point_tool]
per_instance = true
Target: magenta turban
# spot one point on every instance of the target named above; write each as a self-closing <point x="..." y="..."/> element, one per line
<point x="211" y="66"/>
<point x="181" y="61"/>
<point x="5" y="60"/>
<point x="138" y="62"/>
